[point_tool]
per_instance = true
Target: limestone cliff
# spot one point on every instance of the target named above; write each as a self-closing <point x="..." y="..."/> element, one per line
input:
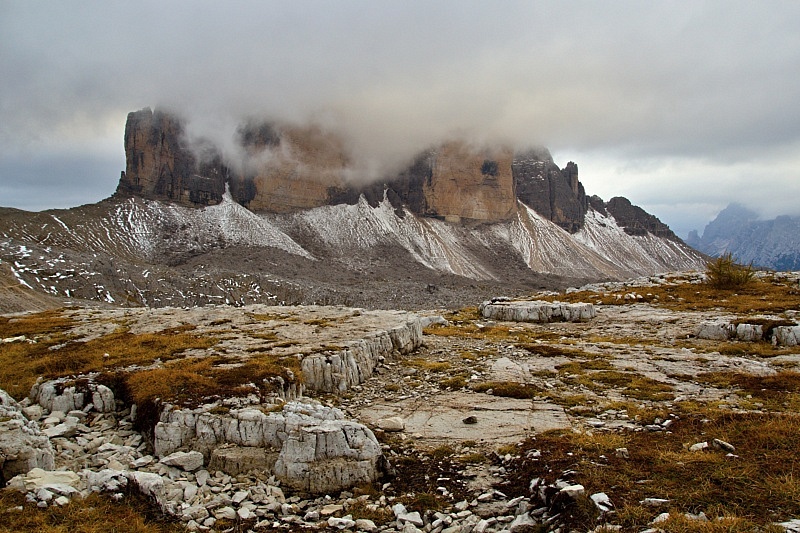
<point x="159" y="165"/>
<point x="290" y="168"/>
<point x="284" y="168"/>
<point x="554" y="193"/>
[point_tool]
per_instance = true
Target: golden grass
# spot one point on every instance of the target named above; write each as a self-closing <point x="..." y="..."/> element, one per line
<point x="628" y="384"/>
<point x="430" y="366"/>
<point x="454" y="383"/>
<point x="753" y="489"/>
<point x="759" y="296"/>
<point x="739" y="348"/>
<point x="361" y="509"/>
<point x="58" y="355"/>
<point x="509" y="389"/>
<point x="95" y="514"/>
<point x="179" y="380"/>
<point x="33" y="325"/>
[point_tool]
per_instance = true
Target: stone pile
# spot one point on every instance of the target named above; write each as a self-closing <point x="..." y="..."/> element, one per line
<point x="22" y="445"/>
<point x="536" y="311"/>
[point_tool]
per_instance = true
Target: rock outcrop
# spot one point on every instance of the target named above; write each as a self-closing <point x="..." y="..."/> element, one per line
<point x="65" y="395"/>
<point x="307" y="446"/>
<point x="338" y="371"/>
<point x="775" y="330"/>
<point x="536" y="311"/>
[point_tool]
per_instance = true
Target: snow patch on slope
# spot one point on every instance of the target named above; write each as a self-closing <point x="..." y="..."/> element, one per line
<point x="433" y="243"/>
<point x="640" y="255"/>
<point x="546" y="247"/>
<point x="231" y="223"/>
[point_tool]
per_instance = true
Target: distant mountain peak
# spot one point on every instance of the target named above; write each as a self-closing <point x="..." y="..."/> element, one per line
<point x="739" y="230"/>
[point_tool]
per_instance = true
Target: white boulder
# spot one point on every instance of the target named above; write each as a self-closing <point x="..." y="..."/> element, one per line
<point x="188" y="461"/>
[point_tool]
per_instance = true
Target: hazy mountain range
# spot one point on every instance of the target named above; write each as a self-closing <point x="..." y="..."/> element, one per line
<point x="773" y="244"/>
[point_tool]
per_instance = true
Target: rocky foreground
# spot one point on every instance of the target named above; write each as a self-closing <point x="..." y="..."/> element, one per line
<point x="378" y="427"/>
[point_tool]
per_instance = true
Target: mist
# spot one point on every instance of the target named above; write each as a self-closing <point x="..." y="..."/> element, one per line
<point x="669" y="104"/>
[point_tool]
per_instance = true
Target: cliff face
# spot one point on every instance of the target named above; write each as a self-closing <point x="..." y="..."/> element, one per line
<point x="554" y="193"/>
<point x="471" y="184"/>
<point x="160" y="166"/>
<point x="288" y="168"/>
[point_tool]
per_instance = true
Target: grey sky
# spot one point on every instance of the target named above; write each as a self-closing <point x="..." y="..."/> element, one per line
<point x="680" y="106"/>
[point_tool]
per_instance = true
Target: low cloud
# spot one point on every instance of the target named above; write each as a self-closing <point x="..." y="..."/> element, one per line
<point x="709" y="85"/>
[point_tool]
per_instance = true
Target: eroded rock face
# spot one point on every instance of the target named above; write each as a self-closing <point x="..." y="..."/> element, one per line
<point x="160" y="164"/>
<point x="723" y="330"/>
<point x="22" y="446"/>
<point x="291" y="169"/>
<point x="338" y="371"/>
<point x="554" y="193"/>
<point x="536" y="311"/>
<point x="59" y="395"/>
<point x="472" y="184"/>
<point x="317" y="449"/>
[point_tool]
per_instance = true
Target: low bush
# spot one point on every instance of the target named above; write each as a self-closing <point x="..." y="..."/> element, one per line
<point x="726" y="274"/>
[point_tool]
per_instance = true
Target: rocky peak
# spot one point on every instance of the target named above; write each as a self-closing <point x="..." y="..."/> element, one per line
<point x="554" y="193"/>
<point x="286" y="168"/>
<point x="636" y="221"/>
<point x="160" y="165"/>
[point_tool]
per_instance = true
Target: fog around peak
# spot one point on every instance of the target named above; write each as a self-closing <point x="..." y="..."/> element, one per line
<point x="675" y="105"/>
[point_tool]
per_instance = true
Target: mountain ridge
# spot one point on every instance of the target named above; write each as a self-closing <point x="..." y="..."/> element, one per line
<point x="773" y="244"/>
<point x="449" y="230"/>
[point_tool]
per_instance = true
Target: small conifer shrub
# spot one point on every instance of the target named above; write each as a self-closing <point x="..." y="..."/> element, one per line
<point x="725" y="273"/>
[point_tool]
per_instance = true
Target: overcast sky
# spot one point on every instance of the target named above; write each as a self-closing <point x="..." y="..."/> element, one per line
<point x="682" y="107"/>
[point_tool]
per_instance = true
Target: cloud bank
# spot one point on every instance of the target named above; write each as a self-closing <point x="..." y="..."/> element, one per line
<point x="668" y="103"/>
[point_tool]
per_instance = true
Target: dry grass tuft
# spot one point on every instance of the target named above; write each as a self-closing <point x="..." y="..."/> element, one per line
<point x="509" y="389"/>
<point x="430" y="366"/>
<point x="724" y="273"/>
<point x="95" y="514"/>
<point x="456" y="382"/>
<point x="626" y="383"/>
<point x="361" y="509"/>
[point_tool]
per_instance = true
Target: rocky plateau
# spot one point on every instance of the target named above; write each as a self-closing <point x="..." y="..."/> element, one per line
<point x="377" y="399"/>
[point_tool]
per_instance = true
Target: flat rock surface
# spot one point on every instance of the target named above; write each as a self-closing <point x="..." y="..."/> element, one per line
<point x="498" y="420"/>
<point x="243" y="331"/>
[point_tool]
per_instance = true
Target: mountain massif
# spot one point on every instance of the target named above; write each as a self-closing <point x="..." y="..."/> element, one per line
<point x="773" y="244"/>
<point x="283" y="220"/>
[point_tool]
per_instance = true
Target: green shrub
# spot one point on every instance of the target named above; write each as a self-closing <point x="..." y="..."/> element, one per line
<point x="725" y="273"/>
